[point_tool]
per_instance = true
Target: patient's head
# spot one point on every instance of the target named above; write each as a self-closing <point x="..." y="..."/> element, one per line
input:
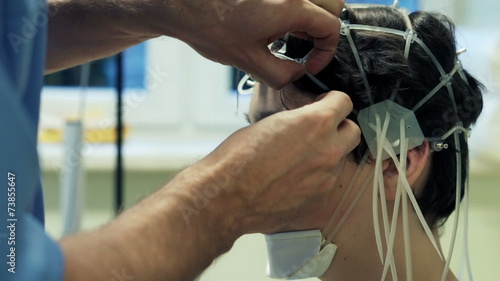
<point x="383" y="61"/>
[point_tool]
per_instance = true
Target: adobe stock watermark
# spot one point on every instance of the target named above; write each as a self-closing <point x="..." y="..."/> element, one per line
<point x="222" y="7"/>
<point x="31" y="25"/>
<point x="3" y="236"/>
<point x="253" y="143"/>
<point x="464" y="111"/>
<point x="121" y="275"/>
<point x="309" y="265"/>
<point x="155" y="76"/>
<point x="491" y="82"/>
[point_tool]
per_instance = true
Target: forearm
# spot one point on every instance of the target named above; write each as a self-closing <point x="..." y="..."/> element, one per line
<point x="159" y="238"/>
<point x="84" y="30"/>
<point x="263" y="178"/>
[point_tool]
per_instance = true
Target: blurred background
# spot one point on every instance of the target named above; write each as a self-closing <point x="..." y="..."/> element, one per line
<point x="178" y="106"/>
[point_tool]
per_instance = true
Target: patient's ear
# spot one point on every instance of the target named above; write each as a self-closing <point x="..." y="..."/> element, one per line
<point x="417" y="171"/>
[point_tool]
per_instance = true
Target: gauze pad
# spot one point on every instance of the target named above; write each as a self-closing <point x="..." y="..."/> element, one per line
<point x="298" y="254"/>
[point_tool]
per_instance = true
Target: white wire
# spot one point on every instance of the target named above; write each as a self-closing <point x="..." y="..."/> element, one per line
<point x="390" y="246"/>
<point x="409" y="40"/>
<point x="383" y="204"/>
<point x="406" y="227"/>
<point x="246" y="80"/>
<point x="376" y="225"/>
<point x="349" y="209"/>
<point x="401" y="33"/>
<point x="413" y="201"/>
<point x="443" y="82"/>
<point x="378" y="163"/>
<point x="382" y="144"/>
<point x="346" y="193"/>
<point x="466" y="225"/>
<point x="84" y="83"/>
<point x="465" y="261"/>
<point x="457" y="206"/>
<point x="345" y="30"/>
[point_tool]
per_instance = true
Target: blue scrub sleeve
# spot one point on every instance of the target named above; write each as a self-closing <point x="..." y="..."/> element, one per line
<point x="26" y="251"/>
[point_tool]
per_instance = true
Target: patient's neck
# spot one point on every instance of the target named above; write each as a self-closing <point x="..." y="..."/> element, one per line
<point x="357" y="257"/>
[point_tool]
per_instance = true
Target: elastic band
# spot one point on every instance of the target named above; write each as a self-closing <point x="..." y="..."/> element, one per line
<point x="246" y="81"/>
<point x="457" y="128"/>
<point x="381" y="133"/>
<point x="346" y="31"/>
<point x="392" y="235"/>
<point x="410" y="36"/>
<point x="349" y="209"/>
<point x="457" y="204"/>
<point x="383" y="203"/>
<point x="465" y="254"/>
<point x="364" y="6"/>
<point x="445" y="79"/>
<point x="406" y="17"/>
<point x="461" y="70"/>
<point x="416" y="39"/>
<point x="413" y="200"/>
<point x="400" y="33"/>
<point x="317" y="82"/>
<point x="346" y="193"/>
<point x="404" y="205"/>
<point x="302" y="61"/>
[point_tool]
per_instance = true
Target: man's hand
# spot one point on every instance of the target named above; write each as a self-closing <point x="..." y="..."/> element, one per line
<point x="283" y="168"/>
<point x="237" y="32"/>
<point x="232" y="32"/>
<point x="269" y="177"/>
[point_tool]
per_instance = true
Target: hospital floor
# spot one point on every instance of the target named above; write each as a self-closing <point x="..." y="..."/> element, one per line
<point x="247" y="259"/>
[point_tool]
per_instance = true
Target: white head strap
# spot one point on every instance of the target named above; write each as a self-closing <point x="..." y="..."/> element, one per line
<point x="389" y="130"/>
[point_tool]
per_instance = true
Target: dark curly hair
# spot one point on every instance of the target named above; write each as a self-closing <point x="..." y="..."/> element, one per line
<point x="383" y="62"/>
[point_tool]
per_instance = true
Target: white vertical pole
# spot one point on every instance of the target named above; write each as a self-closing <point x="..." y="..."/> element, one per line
<point x="71" y="184"/>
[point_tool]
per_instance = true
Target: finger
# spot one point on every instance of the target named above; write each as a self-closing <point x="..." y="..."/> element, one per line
<point x="325" y="46"/>
<point x="333" y="6"/>
<point x="273" y="71"/>
<point x="324" y="28"/>
<point x="302" y="35"/>
<point x="337" y="104"/>
<point x="350" y="133"/>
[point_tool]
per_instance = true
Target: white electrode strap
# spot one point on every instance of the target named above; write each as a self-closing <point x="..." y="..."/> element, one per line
<point x="404" y="205"/>
<point x="380" y="136"/>
<point x="412" y="198"/>
<point x="246" y="81"/>
<point x="317" y="82"/>
<point x="349" y="209"/>
<point x="346" y="31"/>
<point x="403" y="34"/>
<point x="280" y="54"/>
<point x="445" y="79"/>
<point x="346" y="193"/>
<point x="346" y="28"/>
<point x="465" y="263"/>
<point x="383" y="201"/>
<point x="458" y="192"/>
<point x="410" y="38"/>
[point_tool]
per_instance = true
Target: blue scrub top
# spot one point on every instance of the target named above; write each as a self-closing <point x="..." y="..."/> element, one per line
<point x="26" y="251"/>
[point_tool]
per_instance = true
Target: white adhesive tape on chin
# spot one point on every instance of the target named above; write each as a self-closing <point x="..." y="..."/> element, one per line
<point x="298" y="254"/>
